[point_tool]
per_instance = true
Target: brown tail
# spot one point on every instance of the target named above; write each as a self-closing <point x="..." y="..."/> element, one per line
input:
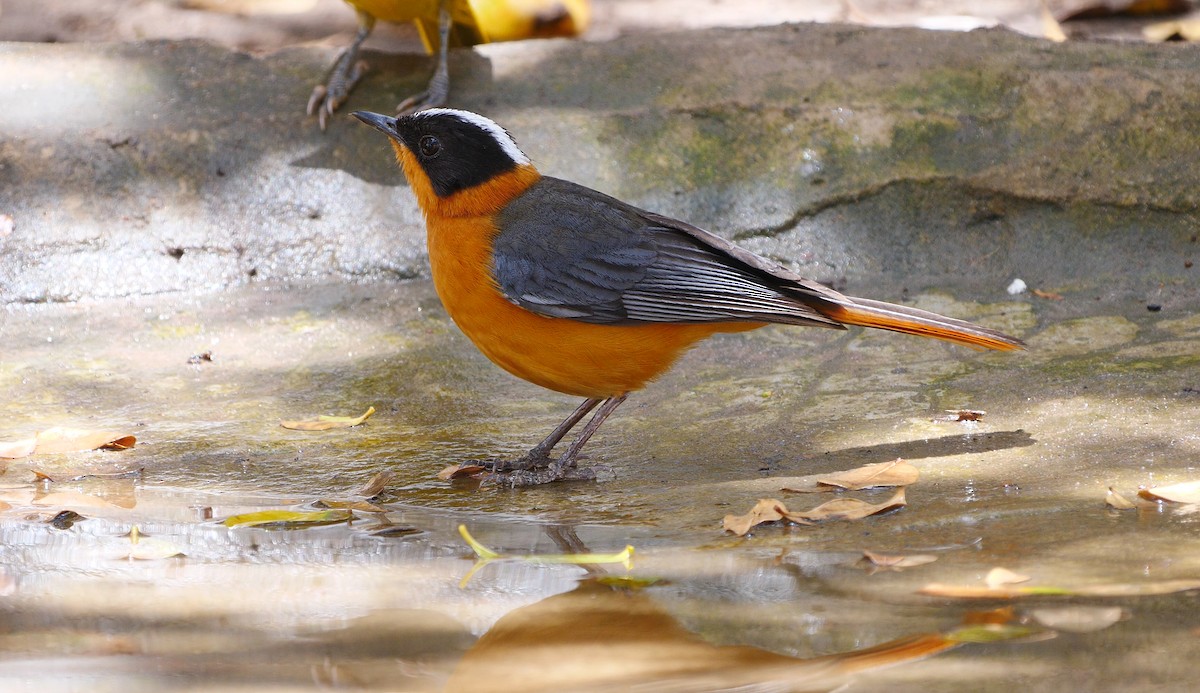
<point x="889" y="316"/>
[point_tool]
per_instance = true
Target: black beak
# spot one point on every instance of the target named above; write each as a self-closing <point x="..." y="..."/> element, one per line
<point x="382" y="123"/>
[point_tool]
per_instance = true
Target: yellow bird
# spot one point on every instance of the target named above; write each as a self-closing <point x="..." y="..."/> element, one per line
<point x="441" y="23"/>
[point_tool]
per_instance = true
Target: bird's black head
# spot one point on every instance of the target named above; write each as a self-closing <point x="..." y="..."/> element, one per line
<point x="455" y="149"/>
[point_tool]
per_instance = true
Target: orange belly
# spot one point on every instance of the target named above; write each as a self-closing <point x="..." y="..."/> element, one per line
<point x="564" y="355"/>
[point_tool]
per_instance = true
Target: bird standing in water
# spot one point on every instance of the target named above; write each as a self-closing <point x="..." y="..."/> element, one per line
<point x="586" y="295"/>
<point x="440" y="23"/>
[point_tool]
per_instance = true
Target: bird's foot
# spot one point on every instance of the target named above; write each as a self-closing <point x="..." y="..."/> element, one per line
<point x="326" y="98"/>
<point x="537" y="477"/>
<point x="430" y="98"/>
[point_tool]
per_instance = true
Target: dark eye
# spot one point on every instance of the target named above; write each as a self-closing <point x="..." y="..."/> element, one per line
<point x="430" y="146"/>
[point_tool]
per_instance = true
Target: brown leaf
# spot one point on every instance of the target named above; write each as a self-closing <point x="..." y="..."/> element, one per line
<point x="62" y="439"/>
<point x="1103" y="9"/>
<point x="1079" y="619"/>
<point x="1178" y="29"/>
<point x="847" y="509"/>
<point x="1116" y="500"/>
<point x="896" y="562"/>
<point x="77" y="473"/>
<point x="998" y="577"/>
<point x="455" y="471"/>
<point x="74" y="499"/>
<point x="377" y="484"/>
<point x="894" y="473"/>
<point x="1047" y="295"/>
<point x="766" y="510"/>
<point x="325" y="422"/>
<point x="956" y="415"/>
<point x="18" y="448"/>
<point x="1186" y="492"/>
<point x="360" y="505"/>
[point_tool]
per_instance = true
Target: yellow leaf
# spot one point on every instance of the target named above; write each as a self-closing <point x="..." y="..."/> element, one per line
<point x="937" y="589"/>
<point x="487" y="555"/>
<point x="324" y="422"/>
<point x="289" y="519"/>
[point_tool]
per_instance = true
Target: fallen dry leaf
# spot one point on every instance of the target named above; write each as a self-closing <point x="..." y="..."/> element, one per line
<point x="993" y="617"/>
<point x="1079" y="619"/>
<point x="455" y="471"/>
<point x="78" y="473"/>
<point x="1186" y="492"/>
<point x="847" y="509"/>
<point x="73" y="498"/>
<point x="1051" y="29"/>
<point x="289" y="519"/>
<point x="771" y="510"/>
<point x="144" y="548"/>
<point x="324" y="422"/>
<point x="62" y="439"/>
<point x="1143" y="589"/>
<point x="894" y="473"/>
<point x="1103" y="9"/>
<point x="1116" y="500"/>
<point x="1047" y="295"/>
<point x="65" y="519"/>
<point x="1181" y="29"/>
<point x="18" y="448"/>
<point x="880" y="474"/>
<point x="998" y="577"/>
<point x="895" y="562"/>
<point x="377" y="484"/>
<point x="956" y="415"/>
<point x="361" y="505"/>
<point x="766" y="510"/>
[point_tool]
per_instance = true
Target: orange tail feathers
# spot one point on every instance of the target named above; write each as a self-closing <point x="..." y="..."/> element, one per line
<point x="889" y="316"/>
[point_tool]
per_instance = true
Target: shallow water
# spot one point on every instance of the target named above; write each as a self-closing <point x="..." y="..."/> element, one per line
<point x="1106" y="396"/>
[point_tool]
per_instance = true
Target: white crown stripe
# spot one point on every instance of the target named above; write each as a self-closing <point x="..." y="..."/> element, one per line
<point x="489" y="126"/>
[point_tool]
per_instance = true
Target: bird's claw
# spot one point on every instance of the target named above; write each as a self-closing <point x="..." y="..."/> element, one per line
<point x="420" y="102"/>
<point x="326" y="98"/>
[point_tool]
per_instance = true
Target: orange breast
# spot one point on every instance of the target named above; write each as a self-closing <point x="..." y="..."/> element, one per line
<point x="565" y="355"/>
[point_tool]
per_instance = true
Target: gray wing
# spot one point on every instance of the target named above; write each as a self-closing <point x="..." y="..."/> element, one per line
<point x="568" y="251"/>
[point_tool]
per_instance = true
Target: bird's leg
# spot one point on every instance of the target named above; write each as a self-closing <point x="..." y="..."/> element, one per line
<point x="439" y="85"/>
<point x="564" y="466"/>
<point x="344" y="74"/>
<point x="539" y="456"/>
